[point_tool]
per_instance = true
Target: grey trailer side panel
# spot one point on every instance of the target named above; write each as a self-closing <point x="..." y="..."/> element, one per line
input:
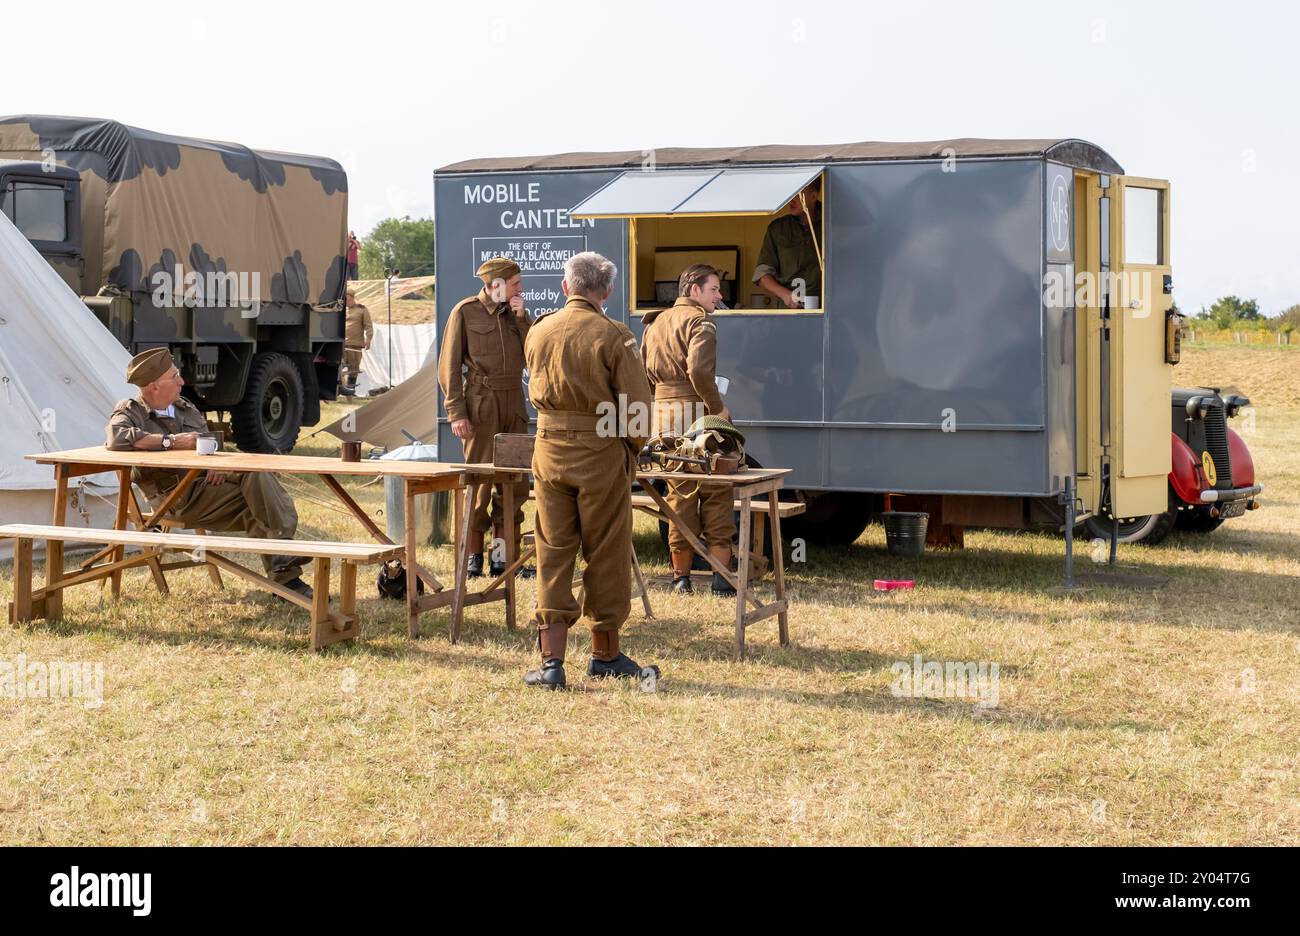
<point x="930" y="461"/>
<point x="935" y="338"/>
<point x="773" y="364"/>
<point x="935" y="303"/>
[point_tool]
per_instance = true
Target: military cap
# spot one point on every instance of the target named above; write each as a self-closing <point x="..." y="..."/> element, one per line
<point x="497" y="268"/>
<point x="148" y="366"/>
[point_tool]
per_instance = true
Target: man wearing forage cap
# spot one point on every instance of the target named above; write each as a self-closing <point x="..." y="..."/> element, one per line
<point x="160" y="419"/>
<point x="480" y="370"/>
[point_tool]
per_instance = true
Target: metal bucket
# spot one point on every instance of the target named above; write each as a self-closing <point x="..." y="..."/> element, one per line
<point x="432" y="511"/>
<point x="905" y="532"/>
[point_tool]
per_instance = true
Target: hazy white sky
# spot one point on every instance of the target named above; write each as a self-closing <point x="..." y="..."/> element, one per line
<point x="1202" y="94"/>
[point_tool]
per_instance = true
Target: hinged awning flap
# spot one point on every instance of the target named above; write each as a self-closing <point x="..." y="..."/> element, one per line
<point x="644" y="192"/>
<point x="641" y="193"/>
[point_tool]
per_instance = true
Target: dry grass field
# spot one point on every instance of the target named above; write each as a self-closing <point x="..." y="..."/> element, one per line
<point x="1123" y="716"/>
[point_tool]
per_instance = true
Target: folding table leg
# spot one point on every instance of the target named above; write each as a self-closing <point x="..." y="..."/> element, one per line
<point x="213" y="572"/>
<point x="412" y="590"/>
<point x="119" y="523"/>
<point x="742" y="575"/>
<point x="640" y="583"/>
<point x="462" y="554"/>
<point x="508" y="527"/>
<point x="348" y="590"/>
<point x="54" y="548"/>
<point x="155" y="565"/>
<point x="778" y="566"/>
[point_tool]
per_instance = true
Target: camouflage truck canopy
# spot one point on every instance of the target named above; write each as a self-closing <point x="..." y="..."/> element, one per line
<point x="150" y="201"/>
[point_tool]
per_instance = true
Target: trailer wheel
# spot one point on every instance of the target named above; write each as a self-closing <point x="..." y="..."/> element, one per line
<point x="269" y="416"/>
<point x="1198" y="520"/>
<point x="835" y="518"/>
<point x="1151" y="529"/>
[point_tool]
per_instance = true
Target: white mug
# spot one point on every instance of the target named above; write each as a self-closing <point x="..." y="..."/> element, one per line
<point x="812" y="302"/>
<point x="206" y="445"/>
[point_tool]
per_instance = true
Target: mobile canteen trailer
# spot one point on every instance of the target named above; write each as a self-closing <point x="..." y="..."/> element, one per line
<point x="993" y="342"/>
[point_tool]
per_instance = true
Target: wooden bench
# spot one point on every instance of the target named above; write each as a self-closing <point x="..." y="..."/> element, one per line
<point x="327" y="626"/>
<point x="758" y="561"/>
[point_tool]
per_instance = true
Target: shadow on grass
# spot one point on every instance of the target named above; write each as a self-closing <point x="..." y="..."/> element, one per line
<point x="264" y="625"/>
<point x="989" y="567"/>
<point x="884" y="703"/>
<point x="1235" y="536"/>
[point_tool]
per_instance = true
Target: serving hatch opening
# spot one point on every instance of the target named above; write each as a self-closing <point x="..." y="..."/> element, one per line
<point x="677" y="217"/>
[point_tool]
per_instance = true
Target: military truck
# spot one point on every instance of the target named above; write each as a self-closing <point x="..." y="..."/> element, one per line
<point x="993" y="342"/>
<point x="233" y="258"/>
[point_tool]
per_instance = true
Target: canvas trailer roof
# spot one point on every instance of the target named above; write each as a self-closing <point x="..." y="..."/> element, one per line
<point x="1077" y="153"/>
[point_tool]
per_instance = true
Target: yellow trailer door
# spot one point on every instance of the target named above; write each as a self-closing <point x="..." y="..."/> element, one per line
<point x="1140" y="379"/>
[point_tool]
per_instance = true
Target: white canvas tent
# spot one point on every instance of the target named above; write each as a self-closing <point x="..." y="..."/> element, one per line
<point x="412" y="404"/>
<point x="412" y="347"/>
<point x="61" y="373"/>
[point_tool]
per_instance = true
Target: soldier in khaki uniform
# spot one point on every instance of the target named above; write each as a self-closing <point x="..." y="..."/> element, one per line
<point x="485" y="336"/>
<point x="592" y="400"/>
<point x="789" y="268"/>
<point x="680" y="349"/>
<point x="160" y="419"/>
<point x="357" y="334"/>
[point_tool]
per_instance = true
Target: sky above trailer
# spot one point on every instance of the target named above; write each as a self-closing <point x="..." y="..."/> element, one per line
<point x="1198" y="93"/>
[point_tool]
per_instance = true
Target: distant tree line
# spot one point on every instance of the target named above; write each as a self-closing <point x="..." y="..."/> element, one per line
<point x="398" y="244"/>
<point x="1232" y="313"/>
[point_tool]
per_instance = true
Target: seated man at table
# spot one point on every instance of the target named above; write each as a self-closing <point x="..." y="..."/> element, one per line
<point x="160" y="419"/>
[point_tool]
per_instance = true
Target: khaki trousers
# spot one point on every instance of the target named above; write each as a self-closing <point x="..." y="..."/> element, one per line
<point x="705" y="510"/>
<point x="251" y="502"/>
<point x="583" y="486"/>
<point x="490" y="412"/>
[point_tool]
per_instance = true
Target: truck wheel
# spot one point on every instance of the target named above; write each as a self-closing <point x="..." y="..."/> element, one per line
<point x="1151" y="529"/>
<point x="1198" y="520"/>
<point x="269" y="416"/>
<point x="836" y="518"/>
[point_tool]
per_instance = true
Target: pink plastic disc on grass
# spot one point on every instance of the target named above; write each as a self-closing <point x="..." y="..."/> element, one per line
<point x="892" y="584"/>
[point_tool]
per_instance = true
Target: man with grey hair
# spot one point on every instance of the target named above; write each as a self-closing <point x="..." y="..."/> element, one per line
<point x="580" y="364"/>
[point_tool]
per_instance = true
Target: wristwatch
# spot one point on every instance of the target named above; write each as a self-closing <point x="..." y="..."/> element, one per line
<point x="167" y="441"/>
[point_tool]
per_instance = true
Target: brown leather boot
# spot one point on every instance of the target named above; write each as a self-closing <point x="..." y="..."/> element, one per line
<point x="721" y="587"/>
<point x="682" y="560"/>
<point x="607" y="661"/>
<point x="553" y="641"/>
<point x="474" y="554"/>
<point x="604" y="645"/>
<point x="497" y="563"/>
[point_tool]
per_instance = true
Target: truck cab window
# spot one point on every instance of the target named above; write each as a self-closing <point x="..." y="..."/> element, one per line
<point x="37" y="210"/>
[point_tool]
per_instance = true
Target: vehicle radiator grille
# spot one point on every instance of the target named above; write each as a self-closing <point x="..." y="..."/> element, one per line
<point x="1216" y="443"/>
